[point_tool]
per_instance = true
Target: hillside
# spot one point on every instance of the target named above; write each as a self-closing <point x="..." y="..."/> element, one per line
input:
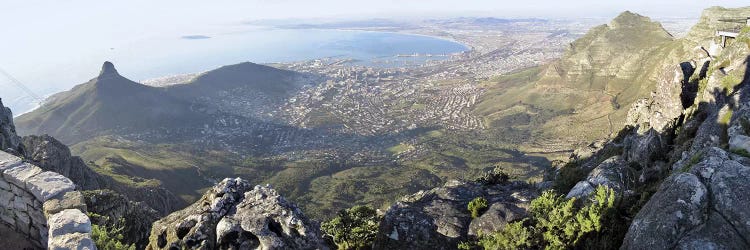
<point x="108" y="103"/>
<point x="584" y="95"/>
<point x="244" y="89"/>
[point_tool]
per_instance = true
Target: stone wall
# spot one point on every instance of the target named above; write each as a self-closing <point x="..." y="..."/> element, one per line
<point x="42" y="205"/>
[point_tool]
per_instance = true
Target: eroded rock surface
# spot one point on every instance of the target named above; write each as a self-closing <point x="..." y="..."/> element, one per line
<point x="439" y="218"/>
<point x="237" y="215"/>
<point x="691" y="207"/>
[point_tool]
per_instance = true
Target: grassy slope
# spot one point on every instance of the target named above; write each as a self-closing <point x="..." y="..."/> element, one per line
<point x="585" y="95"/>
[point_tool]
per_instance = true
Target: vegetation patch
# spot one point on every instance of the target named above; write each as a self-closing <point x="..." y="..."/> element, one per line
<point x="742" y="152"/>
<point x="353" y="228"/>
<point x="558" y="223"/>
<point x="109" y="238"/>
<point x="477" y="206"/>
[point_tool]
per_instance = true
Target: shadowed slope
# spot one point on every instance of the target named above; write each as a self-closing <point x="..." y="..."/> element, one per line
<point x="107" y="103"/>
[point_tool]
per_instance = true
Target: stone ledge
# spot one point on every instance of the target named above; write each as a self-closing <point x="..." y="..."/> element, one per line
<point x="8" y="160"/>
<point x="46" y="185"/>
<point x="68" y="200"/>
<point x="78" y="241"/>
<point x="42" y="205"/>
<point x="19" y="173"/>
<point x="68" y="221"/>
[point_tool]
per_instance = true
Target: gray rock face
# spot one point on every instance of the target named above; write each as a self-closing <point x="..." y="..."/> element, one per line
<point x="689" y="209"/>
<point x="46" y="185"/>
<point x="236" y="215"/>
<point x="612" y="173"/>
<point x="497" y="216"/>
<point x="51" y="155"/>
<point x="439" y="218"/>
<point x="68" y="221"/>
<point x="9" y="140"/>
<point x="674" y="210"/>
<point x="74" y="241"/>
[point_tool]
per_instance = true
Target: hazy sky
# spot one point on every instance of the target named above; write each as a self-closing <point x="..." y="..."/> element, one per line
<point x="35" y="32"/>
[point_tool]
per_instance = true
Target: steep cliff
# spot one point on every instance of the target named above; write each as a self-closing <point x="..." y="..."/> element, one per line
<point x="9" y="140"/>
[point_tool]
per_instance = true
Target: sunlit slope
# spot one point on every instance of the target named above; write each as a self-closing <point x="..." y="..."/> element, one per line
<point x="586" y="94"/>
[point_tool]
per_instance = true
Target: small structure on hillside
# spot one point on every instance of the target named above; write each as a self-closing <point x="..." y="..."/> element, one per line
<point x="732" y="33"/>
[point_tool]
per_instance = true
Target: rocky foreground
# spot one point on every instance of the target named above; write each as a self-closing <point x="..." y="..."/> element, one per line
<point x="237" y="215"/>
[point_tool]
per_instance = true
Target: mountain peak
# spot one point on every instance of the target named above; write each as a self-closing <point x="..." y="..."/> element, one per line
<point x="108" y="69"/>
<point x="628" y="18"/>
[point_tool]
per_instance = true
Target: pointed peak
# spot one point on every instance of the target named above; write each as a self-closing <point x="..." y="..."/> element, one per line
<point x="108" y="69"/>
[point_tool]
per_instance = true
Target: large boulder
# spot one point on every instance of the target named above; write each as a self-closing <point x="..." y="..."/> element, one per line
<point x="235" y="215"/>
<point x="439" y="218"/>
<point x="613" y="173"/>
<point x="703" y="208"/>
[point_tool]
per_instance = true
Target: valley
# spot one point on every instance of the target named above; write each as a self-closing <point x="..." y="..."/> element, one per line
<point x="371" y="133"/>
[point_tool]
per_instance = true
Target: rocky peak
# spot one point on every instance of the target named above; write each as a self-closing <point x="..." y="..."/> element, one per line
<point x="235" y="215"/>
<point x="108" y="69"/>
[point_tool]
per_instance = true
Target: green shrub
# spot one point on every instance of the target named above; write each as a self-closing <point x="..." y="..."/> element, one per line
<point x="353" y="228"/>
<point x="477" y="206"/>
<point x="514" y="236"/>
<point x="109" y="238"/>
<point x="557" y="223"/>
<point x="494" y="177"/>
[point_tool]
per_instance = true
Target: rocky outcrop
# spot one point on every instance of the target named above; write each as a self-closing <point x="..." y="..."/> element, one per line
<point x="43" y="206"/>
<point x="439" y="218"/>
<point x="51" y="155"/>
<point x="612" y="173"/>
<point x="235" y="215"/>
<point x="112" y="207"/>
<point x="9" y="140"/>
<point x="690" y="208"/>
<point x="691" y="148"/>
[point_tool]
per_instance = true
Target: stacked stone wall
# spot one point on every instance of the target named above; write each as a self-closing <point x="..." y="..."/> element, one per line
<point x="43" y="206"/>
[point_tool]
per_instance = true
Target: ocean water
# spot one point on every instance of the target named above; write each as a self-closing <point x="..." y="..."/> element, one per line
<point x="64" y="67"/>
